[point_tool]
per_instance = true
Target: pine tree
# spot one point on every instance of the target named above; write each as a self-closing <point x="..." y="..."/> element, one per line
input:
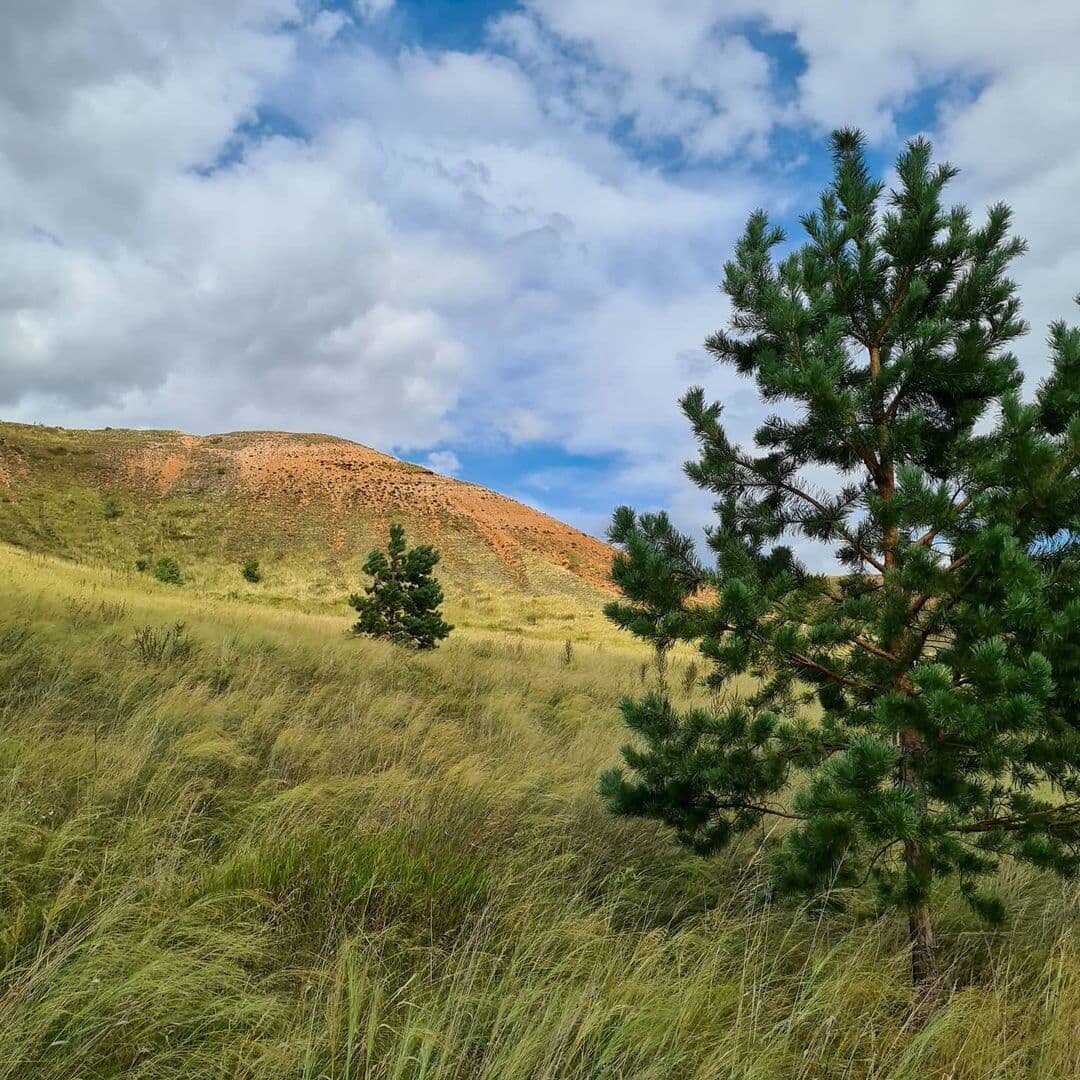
<point x="918" y="716"/>
<point x="402" y="601"/>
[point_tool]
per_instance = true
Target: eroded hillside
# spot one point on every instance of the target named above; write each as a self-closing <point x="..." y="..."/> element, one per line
<point x="313" y="499"/>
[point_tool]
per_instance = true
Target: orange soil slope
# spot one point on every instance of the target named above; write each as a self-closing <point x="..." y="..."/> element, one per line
<point x="344" y="479"/>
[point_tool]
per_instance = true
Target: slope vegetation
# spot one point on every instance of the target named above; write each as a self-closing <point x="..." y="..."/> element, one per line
<point x="308" y="506"/>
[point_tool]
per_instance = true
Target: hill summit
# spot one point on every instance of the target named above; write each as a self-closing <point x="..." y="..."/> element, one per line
<point x="121" y="494"/>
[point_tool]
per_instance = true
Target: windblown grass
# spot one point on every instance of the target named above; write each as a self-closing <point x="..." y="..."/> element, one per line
<point x="274" y="851"/>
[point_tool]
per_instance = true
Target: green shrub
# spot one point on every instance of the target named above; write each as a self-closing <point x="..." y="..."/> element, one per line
<point x="250" y="571"/>
<point x="111" y="509"/>
<point x="154" y="646"/>
<point x="168" y="571"/>
<point x="142" y="565"/>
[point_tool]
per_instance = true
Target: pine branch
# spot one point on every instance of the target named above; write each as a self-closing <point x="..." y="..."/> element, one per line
<point x="861" y="452"/>
<point x="924" y="598"/>
<point x="870" y="866"/>
<point x="1021" y="824"/>
<point x="843" y="680"/>
<point x="873" y="650"/>
<point x="927" y="539"/>
<point x="829" y="516"/>
<point x="754" y="808"/>
<point x="894" y="307"/>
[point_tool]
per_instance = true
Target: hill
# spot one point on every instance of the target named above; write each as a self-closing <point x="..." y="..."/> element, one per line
<point x="307" y="506"/>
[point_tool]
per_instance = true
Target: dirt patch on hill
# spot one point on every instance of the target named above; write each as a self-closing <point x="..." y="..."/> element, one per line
<point x="346" y="481"/>
<point x="347" y="478"/>
<point x="161" y="466"/>
<point x="10" y="467"/>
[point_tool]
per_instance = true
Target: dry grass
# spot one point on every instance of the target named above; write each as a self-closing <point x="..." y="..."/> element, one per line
<point x="276" y="851"/>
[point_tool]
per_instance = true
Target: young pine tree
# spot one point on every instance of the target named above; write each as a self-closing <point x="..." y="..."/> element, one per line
<point x="918" y="716"/>
<point x="402" y="601"/>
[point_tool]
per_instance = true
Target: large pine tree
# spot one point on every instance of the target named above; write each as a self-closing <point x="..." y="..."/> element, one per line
<point x="914" y="714"/>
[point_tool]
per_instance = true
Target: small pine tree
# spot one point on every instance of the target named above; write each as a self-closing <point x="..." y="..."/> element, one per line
<point x="917" y="717"/>
<point x="251" y="571"/>
<point x="402" y="601"/>
<point x="168" y="571"/>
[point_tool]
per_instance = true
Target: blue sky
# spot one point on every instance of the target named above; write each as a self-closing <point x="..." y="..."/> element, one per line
<point x="480" y="235"/>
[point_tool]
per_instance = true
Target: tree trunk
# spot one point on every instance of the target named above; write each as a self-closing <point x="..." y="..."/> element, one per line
<point x="920" y="923"/>
<point x="920" y="928"/>
<point x="909" y="742"/>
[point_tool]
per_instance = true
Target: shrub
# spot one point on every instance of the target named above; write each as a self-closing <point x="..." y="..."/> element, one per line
<point x="250" y="571"/>
<point x="111" y="509"/>
<point x="167" y="570"/>
<point x="155" y="645"/>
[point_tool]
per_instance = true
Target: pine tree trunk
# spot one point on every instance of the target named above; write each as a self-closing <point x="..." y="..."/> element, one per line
<point x="920" y="923"/>
<point x="921" y="936"/>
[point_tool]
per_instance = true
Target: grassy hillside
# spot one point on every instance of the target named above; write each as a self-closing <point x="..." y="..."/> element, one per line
<point x="308" y="507"/>
<point x="254" y="847"/>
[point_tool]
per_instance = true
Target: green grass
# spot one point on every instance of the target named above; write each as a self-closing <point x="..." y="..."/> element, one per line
<point x="270" y="850"/>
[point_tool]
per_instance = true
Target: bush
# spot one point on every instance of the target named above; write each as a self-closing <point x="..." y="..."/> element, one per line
<point x="168" y="571"/>
<point x="111" y="509"/>
<point x="402" y="602"/>
<point x="250" y="571"/>
<point x="154" y="646"/>
<point x="142" y="565"/>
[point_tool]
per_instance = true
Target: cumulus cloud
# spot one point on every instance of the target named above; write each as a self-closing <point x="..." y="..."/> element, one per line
<point x="369" y="8"/>
<point x="445" y="462"/>
<point x="673" y="70"/>
<point x="255" y="214"/>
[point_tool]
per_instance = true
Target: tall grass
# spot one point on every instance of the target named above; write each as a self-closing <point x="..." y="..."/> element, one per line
<point x="279" y="852"/>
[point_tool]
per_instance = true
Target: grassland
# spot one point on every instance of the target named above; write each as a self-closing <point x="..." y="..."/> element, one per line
<point x="259" y="848"/>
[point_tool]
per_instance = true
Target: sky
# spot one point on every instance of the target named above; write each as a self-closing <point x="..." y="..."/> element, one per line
<point x="481" y="235"/>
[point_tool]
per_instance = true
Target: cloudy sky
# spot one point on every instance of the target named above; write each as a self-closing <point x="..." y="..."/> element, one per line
<point x="481" y="234"/>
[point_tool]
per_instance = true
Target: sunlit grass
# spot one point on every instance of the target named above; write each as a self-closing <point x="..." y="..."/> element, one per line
<point x="281" y="851"/>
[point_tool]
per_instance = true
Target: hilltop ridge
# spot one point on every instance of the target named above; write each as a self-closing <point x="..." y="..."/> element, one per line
<point x="274" y="495"/>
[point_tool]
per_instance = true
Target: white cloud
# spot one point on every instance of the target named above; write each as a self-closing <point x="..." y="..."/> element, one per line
<point x="459" y="248"/>
<point x="327" y="25"/>
<point x="678" y="70"/>
<point x="445" y="462"/>
<point x="368" y="9"/>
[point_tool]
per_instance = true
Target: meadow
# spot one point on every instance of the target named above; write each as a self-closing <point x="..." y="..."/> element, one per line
<point x="237" y="842"/>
